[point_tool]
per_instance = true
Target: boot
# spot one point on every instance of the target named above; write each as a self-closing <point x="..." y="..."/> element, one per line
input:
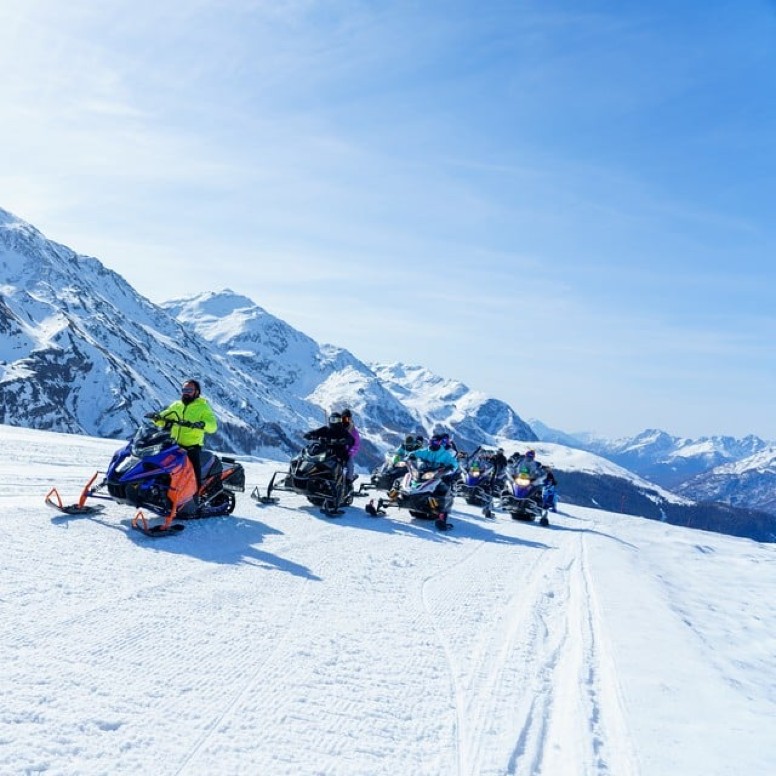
<point x="441" y="522"/>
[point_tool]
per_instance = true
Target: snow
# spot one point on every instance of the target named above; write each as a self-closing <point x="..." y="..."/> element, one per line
<point x="278" y="641"/>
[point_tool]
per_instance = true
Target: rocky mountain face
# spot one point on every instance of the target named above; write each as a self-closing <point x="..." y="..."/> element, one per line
<point x="82" y="352"/>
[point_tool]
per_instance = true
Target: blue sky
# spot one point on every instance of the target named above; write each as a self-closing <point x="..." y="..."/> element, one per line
<point x="567" y="205"/>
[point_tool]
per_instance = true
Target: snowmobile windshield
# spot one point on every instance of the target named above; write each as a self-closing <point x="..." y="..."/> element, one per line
<point x="317" y="449"/>
<point x="150" y="441"/>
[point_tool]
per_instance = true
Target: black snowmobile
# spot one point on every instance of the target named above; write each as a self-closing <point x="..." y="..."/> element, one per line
<point x="423" y="491"/>
<point x="385" y="475"/>
<point x="316" y="472"/>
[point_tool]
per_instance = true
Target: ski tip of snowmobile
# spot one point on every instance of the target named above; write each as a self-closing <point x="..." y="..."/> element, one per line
<point x="54" y="500"/>
<point x="139" y="523"/>
<point x="256" y="496"/>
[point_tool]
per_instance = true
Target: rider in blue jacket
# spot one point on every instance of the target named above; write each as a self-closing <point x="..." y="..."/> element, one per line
<point x="439" y="454"/>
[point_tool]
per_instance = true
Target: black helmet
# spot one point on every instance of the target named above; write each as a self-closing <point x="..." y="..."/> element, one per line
<point x="347" y="417"/>
<point x="409" y="440"/>
<point x="335" y="419"/>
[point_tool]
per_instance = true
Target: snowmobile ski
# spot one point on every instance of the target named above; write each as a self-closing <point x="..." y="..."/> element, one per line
<point x="159" y="531"/>
<point x="54" y="501"/>
<point x="139" y="523"/>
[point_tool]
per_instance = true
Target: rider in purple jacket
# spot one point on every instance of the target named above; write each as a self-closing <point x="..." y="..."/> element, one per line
<point x="347" y="421"/>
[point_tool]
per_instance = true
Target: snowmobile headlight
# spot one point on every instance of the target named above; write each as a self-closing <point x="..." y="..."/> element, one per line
<point x="428" y="475"/>
<point x="126" y="464"/>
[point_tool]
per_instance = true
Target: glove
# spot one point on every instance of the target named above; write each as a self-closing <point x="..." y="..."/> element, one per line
<point x="308" y="435"/>
<point x="198" y="424"/>
<point x="152" y="416"/>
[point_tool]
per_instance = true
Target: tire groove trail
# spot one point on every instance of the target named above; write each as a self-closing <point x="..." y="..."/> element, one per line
<point x="507" y="599"/>
<point x="458" y="695"/>
<point x="237" y="696"/>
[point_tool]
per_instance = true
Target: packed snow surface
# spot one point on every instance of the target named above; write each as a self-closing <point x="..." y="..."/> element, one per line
<point x="280" y="641"/>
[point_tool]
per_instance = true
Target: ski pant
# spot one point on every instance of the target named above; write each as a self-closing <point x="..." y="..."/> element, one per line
<point x="193" y="453"/>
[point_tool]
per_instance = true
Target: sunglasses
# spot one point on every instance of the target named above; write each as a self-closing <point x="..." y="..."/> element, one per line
<point x="188" y="391"/>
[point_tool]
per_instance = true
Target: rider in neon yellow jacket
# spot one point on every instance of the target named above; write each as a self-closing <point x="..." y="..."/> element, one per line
<point x="195" y="410"/>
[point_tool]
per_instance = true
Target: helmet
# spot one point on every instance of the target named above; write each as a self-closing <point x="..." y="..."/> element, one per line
<point x="420" y="439"/>
<point x="347" y="416"/>
<point x="500" y="450"/>
<point x="530" y="454"/>
<point x="437" y="441"/>
<point x="335" y="419"/>
<point x="409" y="440"/>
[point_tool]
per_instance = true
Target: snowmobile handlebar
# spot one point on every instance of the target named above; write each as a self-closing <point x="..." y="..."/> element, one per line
<point x="168" y="421"/>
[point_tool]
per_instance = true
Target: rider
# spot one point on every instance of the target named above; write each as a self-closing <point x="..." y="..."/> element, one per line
<point x="499" y="462"/>
<point x="347" y="421"/>
<point x="528" y="464"/>
<point x="549" y="491"/>
<point x="336" y="435"/>
<point x="409" y="445"/>
<point x="197" y="415"/>
<point x="438" y="453"/>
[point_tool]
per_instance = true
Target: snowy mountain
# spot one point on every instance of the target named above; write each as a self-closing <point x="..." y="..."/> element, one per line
<point x="658" y="456"/>
<point x="389" y="401"/>
<point x="548" y="434"/>
<point x="277" y="641"/>
<point x="670" y="460"/>
<point x="749" y="483"/>
<point x="590" y="480"/>
<point x="438" y="403"/>
<point x="82" y="352"/>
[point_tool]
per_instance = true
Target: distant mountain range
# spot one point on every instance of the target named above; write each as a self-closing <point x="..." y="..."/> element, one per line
<point x="82" y="352"/>
<point x="724" y="469"/>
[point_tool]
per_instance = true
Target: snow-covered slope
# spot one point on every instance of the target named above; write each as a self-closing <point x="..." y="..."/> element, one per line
<point x="277" y="641"/>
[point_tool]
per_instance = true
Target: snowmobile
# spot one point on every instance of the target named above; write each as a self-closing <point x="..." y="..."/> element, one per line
<point x="522" y="497"/>
<point x="316" y="472"/>
<point x="152" y="471"/>
<point x="477" y="485"/>
<point x="423" y="491"/>
<point x="385" y="475"/>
